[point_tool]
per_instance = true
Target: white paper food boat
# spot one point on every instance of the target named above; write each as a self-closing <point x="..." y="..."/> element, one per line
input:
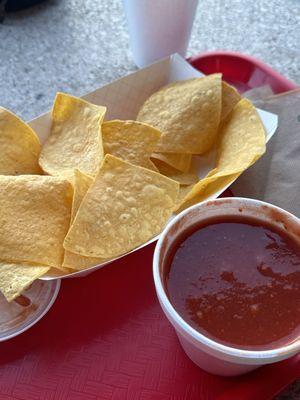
<point x="123" y="99"/>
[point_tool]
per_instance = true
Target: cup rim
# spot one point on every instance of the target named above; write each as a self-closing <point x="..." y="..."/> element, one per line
<point x="279" y="352"/>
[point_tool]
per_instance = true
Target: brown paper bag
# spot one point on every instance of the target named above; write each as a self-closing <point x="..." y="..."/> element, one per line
<point x="275" y="178"/>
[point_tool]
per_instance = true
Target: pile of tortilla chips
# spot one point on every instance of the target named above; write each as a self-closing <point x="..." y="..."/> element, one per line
<point x="97" y="190"/>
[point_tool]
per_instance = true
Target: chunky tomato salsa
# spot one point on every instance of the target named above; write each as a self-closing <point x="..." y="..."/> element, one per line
<point x="237" y="281"/>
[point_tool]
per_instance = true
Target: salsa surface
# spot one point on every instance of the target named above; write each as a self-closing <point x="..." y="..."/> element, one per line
<point x="237" y="281"/>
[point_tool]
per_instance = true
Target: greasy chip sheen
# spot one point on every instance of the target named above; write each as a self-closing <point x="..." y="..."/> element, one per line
<point x="82" y="183"/>
<point x="75" y="140"/>
<point x="19" y="146"/>
<point x="230" y="97"/>
<point x="125" y="206"/>
<point x="131" y="141"/>
<point x="34" y="218"/>
<point x="182" y="162"/>
<point x="187" y="113"/>
<point x="14" y="278"/>
<point x="241" y="143"/>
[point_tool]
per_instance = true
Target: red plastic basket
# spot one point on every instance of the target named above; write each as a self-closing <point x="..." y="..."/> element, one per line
<point x="106" y="336"/>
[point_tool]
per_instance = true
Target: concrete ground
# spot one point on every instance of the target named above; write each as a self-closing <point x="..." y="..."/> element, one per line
<point x="76" y="46"/>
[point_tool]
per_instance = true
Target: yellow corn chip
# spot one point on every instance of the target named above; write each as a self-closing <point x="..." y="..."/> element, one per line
<point x="81" y="186"/>
<point x="19" y="146"/>
<point x="75" y="140"/>
<point x="182" y="162"/>
<point x="59" y="272"/>
<point x="241" y="143"/>
<point x="242" y="140"/>
<point x="15" y="278"/>
<point x="125" y="206"/>
<point x="230" y="97"/>
<point x="131" y="141"/>
<point x="206" y="187"/>
<point x="184" y="178"/>
<point x="183" y="191"/>
<point x="78" y="262"/>
<point x="187" y="113"/>
<point x="34" y="218"/>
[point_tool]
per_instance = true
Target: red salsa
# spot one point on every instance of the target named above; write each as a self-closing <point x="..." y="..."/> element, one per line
<point x="237" y="281"/>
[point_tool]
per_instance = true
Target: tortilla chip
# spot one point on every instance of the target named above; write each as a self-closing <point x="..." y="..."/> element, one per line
<point x="241" y="143"/>
<point x="183" y="191"/>
<point x="184" y="178"/>
<point x="125" y="207"/>
<point x="187" y="113"/>
<point x="35" y="216"/>
<point x="82" y="183"/>
<point x="19" y="146"/>
<point x="75" y="140"/>
<point x="15" y="278"/>
<point x="230" y="97"/>
<point x="206" y="187"/>
<point x="57" y="273"/>
<point x="131" y="141"/>
<point x="78" y="262"/>
<point x="242" y="140"/>
<point x="182" y="162"/>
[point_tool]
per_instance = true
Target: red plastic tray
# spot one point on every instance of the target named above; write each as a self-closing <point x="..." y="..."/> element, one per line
<point x="243" y="71"/>
<point x="106" y="336"/>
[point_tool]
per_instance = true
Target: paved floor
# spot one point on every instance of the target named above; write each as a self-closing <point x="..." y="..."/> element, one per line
<point x="76" y="46"/>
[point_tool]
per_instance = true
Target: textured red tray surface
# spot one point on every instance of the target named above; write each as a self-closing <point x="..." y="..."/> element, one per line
<point x="107" y="338"/>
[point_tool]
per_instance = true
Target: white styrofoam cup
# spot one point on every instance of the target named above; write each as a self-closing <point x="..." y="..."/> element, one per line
<point x="208" y="354"/>
<point x="159" y="28"/>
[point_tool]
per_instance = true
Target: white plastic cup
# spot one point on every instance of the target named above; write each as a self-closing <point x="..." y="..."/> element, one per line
<point x="212" y="356"/>
<point x="159" y="28"/>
